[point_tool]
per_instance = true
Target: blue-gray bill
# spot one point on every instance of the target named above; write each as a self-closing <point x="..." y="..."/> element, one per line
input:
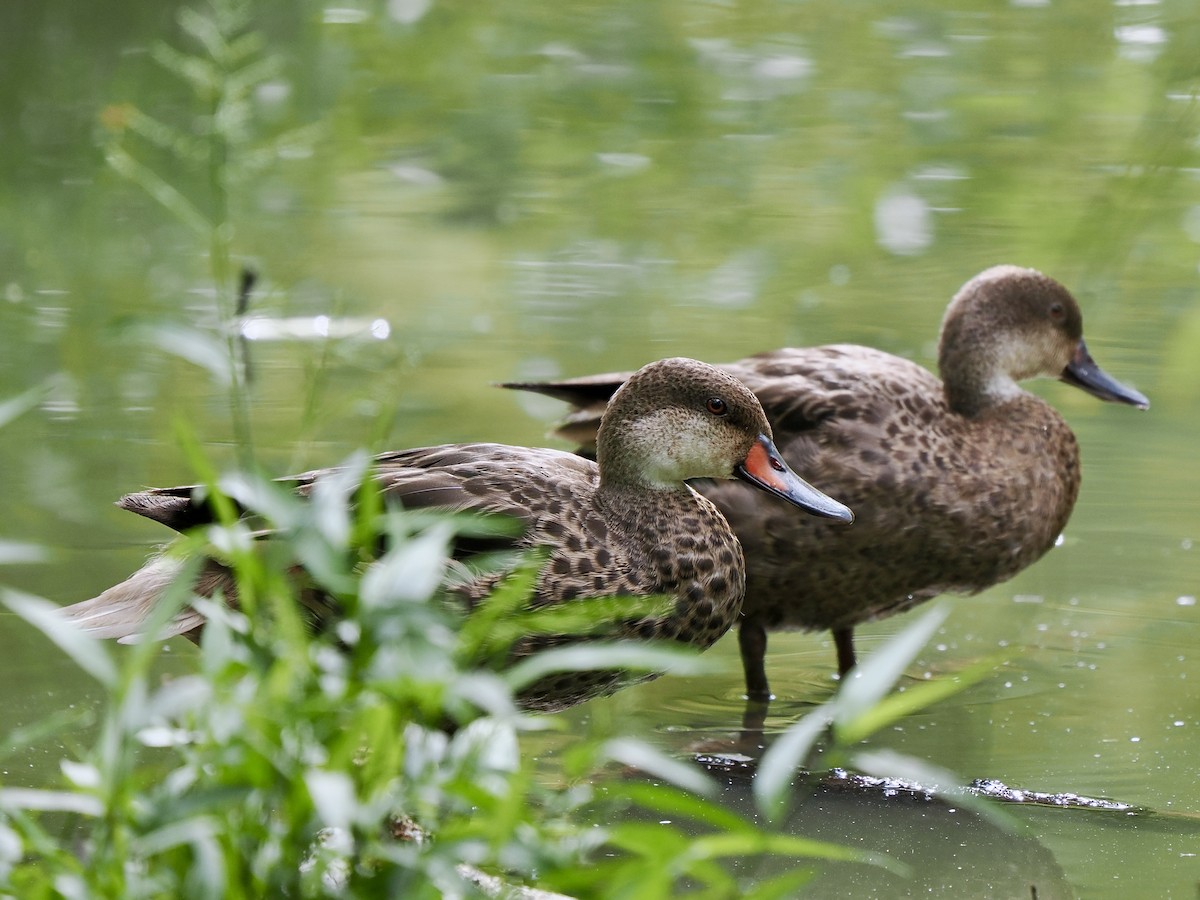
<point x="764" y="467"/>
<point x="1083" y="372"/>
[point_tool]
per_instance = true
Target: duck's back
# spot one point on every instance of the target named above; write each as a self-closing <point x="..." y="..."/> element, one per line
<point x="943" y="503"/>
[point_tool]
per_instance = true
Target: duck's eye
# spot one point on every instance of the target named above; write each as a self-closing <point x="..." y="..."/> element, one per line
<point x="1058" y="312"/>
<point x="716" y="406"/>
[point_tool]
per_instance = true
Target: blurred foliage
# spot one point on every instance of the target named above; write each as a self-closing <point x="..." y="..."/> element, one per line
<point x="378" y="757"/>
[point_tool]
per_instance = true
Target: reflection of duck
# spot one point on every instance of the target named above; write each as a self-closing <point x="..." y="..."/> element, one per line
<point x="629" y="525"/>
<point x="957" y="484"/>
<point x="938" y="846"/>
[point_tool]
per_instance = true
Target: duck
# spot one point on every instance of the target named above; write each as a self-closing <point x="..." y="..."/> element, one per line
<point x="957" y="483"/>
<point x="628" y="524"/>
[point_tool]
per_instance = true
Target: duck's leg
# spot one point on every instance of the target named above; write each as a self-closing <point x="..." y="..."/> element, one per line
<point x="843" y="640"/>
<point x="752" y="641"/>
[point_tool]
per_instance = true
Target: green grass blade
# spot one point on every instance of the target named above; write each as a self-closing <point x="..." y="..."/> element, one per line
<point x="652" y="761"/>
<point x="777" y="769"/>
<point x="592" y="656"/>
<point x="874" y="677"/>
<point x="17" y="406"/>
<point x="88" y="653"/>
<point x="912" y="699"/>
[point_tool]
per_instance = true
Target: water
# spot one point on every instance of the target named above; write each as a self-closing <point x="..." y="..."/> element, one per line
<point x="522" y="190"/>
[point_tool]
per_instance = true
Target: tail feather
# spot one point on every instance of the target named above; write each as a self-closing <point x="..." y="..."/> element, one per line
<point x="123" y="610"/>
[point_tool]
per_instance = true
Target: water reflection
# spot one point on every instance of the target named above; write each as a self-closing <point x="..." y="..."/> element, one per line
<point x="949" y="850"/>
<point x="307" y="328"/>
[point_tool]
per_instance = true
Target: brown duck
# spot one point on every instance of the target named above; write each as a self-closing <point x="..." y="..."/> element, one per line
<point x="957" y="484"/>
<point x="627" y="525"/>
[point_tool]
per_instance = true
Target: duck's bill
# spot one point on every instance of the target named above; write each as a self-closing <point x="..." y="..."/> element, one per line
<point x="1083" y="372"/>
<point x="765" y="468"/>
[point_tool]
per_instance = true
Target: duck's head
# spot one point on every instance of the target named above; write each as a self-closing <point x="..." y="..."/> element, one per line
<point x="678" y="419"/>
<point x="1007" y="324"/>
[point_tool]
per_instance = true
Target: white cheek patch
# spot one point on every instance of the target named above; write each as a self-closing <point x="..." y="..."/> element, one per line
<point x="673" y="448"/>
<point x="1034" y="355"/>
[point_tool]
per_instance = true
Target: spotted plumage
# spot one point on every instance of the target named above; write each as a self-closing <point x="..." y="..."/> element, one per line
<point x="627" y="525"/>
<point x="957" y="484"/>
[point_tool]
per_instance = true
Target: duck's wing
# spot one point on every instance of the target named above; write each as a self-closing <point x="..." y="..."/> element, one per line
<point x="485" y="478"/>
<point x="800" y="388"/>
<point x="522" y="482"/>
<point x="822" y="401"/>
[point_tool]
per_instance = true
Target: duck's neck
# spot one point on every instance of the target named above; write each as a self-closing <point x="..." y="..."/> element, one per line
<point x="973" y="396"/>
<point x="625" y="492"/>
<point x="977" y="381"/>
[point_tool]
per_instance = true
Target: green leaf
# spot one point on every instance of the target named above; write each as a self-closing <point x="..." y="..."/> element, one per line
<point x="595" y="656"/>
<point x="654" y="762"/>
<point x="36" y="732"/>
<point x="267" y="498"/>
<point x="17" y="406"/>
<point x="777" y="769"/>
<point x="674" y="803"/>
<point x="410" y="572"/>
<point x="646" y="839"/>
<point x="869" y="681"/>
<point x="330" y="497"/>
<point x="477" y="637"/>
<point x="196" y="346"/>
<point x="188" y="831"/>
<point x="207" y="31"/>
<point x="88" y="653"/>
<point x="592" y="617"/>
<point x="914" y="698"/>
<point x="50" y="801"/>
<point x="182" y="145"/>
<point x="782" y="887"/>
<point x="154" y="185"/>
<point x="720" y="846"/>
<point x="242" y="82"/>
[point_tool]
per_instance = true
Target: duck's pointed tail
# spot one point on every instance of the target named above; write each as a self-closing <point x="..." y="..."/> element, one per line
<point x="123" y="610"/>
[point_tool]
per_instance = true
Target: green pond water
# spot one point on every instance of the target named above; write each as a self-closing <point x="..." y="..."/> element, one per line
<point x="471" y="193"/>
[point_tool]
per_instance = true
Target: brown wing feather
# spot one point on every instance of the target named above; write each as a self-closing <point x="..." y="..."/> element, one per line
<point x="490" y="478"/>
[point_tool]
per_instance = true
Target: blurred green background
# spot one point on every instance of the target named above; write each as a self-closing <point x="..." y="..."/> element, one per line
<point x="524" y="190"/>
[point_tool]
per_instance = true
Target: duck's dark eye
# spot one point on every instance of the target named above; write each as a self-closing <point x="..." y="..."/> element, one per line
<point x="1058" y="312"/>
<point x="716" y="406"/>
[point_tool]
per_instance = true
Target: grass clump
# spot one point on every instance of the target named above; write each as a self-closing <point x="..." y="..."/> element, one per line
<point x="378" y="757"/>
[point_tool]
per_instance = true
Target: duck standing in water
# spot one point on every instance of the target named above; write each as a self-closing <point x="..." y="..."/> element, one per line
<point x="627" y="524"/>
<point x="956" y="484"/>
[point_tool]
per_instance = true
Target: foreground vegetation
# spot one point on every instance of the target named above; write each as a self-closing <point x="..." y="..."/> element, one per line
<point x="380" y="757"/>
